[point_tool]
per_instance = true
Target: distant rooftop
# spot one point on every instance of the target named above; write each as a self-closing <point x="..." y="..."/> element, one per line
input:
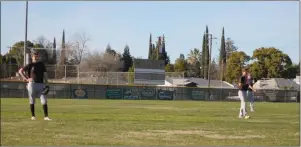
<point x="200" y="82"/>
<point x="276" y="83"/>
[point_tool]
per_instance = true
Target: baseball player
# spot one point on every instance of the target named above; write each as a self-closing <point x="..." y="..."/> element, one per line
<point x="250" y="92"/>
<point x="37" y="78"/>
<point x="242" y="93"/>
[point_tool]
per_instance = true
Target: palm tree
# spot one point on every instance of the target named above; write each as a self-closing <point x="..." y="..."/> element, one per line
<point x="194" y="56"/>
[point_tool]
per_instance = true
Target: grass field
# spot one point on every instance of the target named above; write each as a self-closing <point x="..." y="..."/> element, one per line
<point x="142" y="123"/>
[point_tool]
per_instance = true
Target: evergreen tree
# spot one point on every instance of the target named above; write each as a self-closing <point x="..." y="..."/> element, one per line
<point x="222" y="55"/>
<point x="206" y="53"/>
<point x="159" y="49"/>
<point x="111" y="51"/>
<point x="203" y="61"/>
<point x="164" y="53"/>
<point x="63" y="50"/>
<point x="154" y="52"/>
<point x="61" y="68"/>
<point x="54" y="51"/>
<point x="150" y="53"/>
<point x="127" y="59"/>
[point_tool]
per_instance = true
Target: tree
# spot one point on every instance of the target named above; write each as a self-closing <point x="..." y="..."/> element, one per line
<point x="207" y="53"/>
<point x="101" y="62"/>
<point x="182" y="56"/>
<point x="131" y="75"/>
<point x="194" y="61"/>
<point x="2" y="67"/>
<point x="164" y="52"/>
<point x="169" y="68"/>
<point x="292" y="71"/>
<point x="194" y="56"/>
<point x="159" y="49"/>
<point x="257" y="70"/>
<point x="230" y="47"/>
<point x="214" y="73"/>
<point x="78" y="48"/>
<point x="1" y="58"/>
<point x="222" y="55"/>
<point x="154" y="52"/>
<point x="298" y="69"/>
<point x="270" y="63"/>
<point x="236" y="62"/>
<point x="63" y="56"/>
<point x="203" y="60"/>
<point x="46" y="49"/>
<point x="127" y="59"/>
<point x="109" y="50"/>
<point x="61" y="70"/>
<point x="179" y="65"/>
<point x="150" y="49"/>
<point x="43" y="42"/>
<point x="17" y="51"/>
<point x="54" y="57"/>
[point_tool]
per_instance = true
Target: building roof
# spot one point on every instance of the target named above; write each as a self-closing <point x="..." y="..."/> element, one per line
<point x="297" y="80"/>
<point x="178" y="81"/>
<point x="199" y="81"/>
<point x="276" y="83"/>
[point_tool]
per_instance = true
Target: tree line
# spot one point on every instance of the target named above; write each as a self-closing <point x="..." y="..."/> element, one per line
<point x="266" y="62"/>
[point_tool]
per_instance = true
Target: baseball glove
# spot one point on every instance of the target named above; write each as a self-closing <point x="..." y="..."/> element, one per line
<point x="45" y="90"/>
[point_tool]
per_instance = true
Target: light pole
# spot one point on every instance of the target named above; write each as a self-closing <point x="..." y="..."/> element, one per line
<point x="210" y="51"/>
<point x="25" y="41"/>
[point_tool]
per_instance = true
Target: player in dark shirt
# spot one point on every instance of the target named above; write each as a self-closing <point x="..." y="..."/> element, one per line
<point x="37" y="78"/>
<point x="242" y="93"/>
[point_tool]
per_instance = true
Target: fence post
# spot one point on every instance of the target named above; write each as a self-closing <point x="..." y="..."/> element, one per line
<point x="65" y="73"/>
<point x="298" y="97"/>
<point x="70" y="91"/>
<point x="117" y="77"/>
<point x="55" y="71"/>
<point x="94" y="91"/>
<point x="107" y="78"/>
<point x="77" y="74"/>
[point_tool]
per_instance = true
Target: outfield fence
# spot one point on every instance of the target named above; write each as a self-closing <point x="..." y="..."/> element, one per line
<point x="10" y="89"/>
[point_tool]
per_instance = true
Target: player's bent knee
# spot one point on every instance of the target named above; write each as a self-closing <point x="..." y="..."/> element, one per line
<point x="31" y="101"/>
<point x="43" y="102"/>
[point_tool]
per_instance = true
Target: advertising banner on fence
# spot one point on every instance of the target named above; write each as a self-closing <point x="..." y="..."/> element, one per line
<point x="165" y="95"/>
<point x="197" y="95"/>
<point x="131" y="93"/>
<point x="148" y="93"/>
<point x="114" y="93"/>
<point x="80" y="93"/>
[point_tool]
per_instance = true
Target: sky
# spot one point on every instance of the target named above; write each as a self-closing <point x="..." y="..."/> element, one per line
<point x="251" y="24"/>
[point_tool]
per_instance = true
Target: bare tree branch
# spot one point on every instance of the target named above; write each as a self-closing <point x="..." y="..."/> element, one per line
<point x="78" y="47"/>
<point x="101" y="62"/>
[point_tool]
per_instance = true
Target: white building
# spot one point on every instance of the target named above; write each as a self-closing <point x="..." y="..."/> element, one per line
<point x="196" y="82"/>
<point x="276" y="84"/>
<point x="297" y="80"/>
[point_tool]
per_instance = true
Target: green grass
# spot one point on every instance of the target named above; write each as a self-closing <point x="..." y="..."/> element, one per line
<point x="143" y="123"/>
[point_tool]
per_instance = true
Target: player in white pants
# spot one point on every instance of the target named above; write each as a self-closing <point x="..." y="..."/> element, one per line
<point x="242" y="93"/>
<point x="37" y="78"/>
<point x="250" y="91"/>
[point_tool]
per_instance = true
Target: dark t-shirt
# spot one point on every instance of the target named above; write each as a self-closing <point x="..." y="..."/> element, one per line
<point x="244" y="83"/>
<point x="250" y="82"/>
<point x="36" y="71"/>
